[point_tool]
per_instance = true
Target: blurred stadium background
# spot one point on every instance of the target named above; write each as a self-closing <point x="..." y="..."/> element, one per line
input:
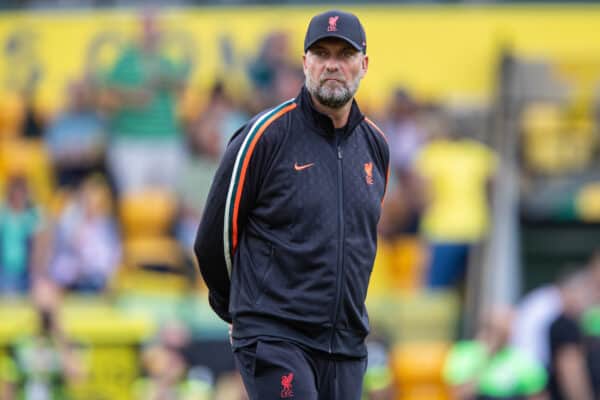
<point x="491" y="109"/>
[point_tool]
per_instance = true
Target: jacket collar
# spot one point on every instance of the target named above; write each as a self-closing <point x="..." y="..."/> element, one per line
<point x="321" y="122"/>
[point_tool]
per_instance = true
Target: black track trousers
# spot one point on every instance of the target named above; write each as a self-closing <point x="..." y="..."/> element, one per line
<point x="275" y="370"/>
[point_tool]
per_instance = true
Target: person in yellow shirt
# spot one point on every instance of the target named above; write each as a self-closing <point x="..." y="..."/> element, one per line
<point x="456" y="174"/>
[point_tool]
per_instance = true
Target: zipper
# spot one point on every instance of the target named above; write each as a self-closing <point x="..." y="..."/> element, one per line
<point x="340" y="253"/>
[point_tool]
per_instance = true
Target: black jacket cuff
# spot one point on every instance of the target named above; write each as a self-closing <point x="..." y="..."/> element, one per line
<point x="220" y="306"/>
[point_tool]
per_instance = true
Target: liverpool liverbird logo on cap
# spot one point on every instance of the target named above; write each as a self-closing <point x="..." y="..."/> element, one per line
<point x="337" y="24"/>
<point x="333" y="24"/>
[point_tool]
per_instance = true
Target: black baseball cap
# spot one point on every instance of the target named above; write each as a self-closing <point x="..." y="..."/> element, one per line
<point x="337" y="24"/>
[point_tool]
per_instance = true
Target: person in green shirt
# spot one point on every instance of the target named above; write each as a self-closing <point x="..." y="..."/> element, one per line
<point x="488" y="368"/>
<point x="145" y="147"/>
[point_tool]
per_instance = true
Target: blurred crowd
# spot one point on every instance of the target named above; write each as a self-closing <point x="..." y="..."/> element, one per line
<point x="546" y="347"/>
<point x="121" y="144"/>
<point x="115" y="183"/>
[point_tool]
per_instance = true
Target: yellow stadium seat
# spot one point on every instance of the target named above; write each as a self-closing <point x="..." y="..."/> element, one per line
<point x="152" y="250"/>
<point x="541" y="117"/>
<point x="417" y="369"/>
<point x="420" y="315"/>
<point x="419" y="362"/>
<point x="587" y="202"/>
<point x="28" y="157"/>
<point x="379" y="283"/>
<point x="398" y="266"/>
<point x="556" y="141"/>
<point x="146" y="214"/>
<point x="579" y="144"/>
<point x="542" y="125"/>
<point x="154" y="264"/>
<point x="11" y="115"/>
<point x="126" y="281"/>
<point x="424" y="392"/>
<point x="407" y="261"/>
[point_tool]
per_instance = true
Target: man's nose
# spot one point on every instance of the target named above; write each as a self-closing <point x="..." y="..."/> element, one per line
<point x="332" y="65"/>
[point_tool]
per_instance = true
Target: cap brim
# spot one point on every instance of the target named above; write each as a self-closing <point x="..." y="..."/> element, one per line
<point x="334" y="35"/>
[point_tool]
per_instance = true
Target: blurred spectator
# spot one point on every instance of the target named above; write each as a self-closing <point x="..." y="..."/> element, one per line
<point x="534" y="314"/>
<point x="569" y="371"/>
<point x="230" y="387"/>
<point x="591" y="332"/>
<point x="46" y="360"/>
<point x="211" y="132"/>
<point x="488" y="368"/>
<point x="406" y="139"/>
<point x="22" y="238"/>
<point x="207" y="137"/>
<point x="287" y="84"/>
<point x="168" y="376"/>
<point x="274" y="54"/>
<point x="405" y="135"/>
<point x="76" y="139"/>
<point x="9" y="377"/>
<point x="165" y="369"/>
<point x="591" y="324"/>
<point x="378" y="381"/>
<point x="145" y="148"/>
<point x="594" y="268"/>
<point x="456" y="173"/>
<point x="542" y="306"/>
<point x="33" y="124"/>
<point x="87" y="248"/>
<point x="267" y="69"/>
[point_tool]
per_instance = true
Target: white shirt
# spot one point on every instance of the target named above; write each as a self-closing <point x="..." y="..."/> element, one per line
<point x="535" y="313"/>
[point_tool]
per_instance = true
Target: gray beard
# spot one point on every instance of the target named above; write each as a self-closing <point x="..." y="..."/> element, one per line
<point x="332" y="98"/>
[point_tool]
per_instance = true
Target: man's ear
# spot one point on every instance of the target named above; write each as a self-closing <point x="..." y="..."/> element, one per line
<point x="304" y="62"/>
<point x="365" y="65"/>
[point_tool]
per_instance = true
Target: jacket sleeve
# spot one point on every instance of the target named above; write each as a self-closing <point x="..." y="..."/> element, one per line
<point x="385" y="157"/>
<point x="209" y="246"/>
<point x="383" y="152"/>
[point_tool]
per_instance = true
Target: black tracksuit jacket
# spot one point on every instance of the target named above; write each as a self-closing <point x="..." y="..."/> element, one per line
<point x="289" y="232"/>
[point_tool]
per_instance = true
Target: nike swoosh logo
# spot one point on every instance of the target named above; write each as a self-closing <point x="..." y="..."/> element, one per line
<point x="301" y="167"/>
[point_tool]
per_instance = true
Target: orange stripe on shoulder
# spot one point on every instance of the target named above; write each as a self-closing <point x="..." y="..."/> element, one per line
<point x="240" y="188"/>
<point x="376" y="128"/>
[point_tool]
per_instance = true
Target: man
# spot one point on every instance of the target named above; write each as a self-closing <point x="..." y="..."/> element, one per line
<point x="539" y="308"/>
<point x="76" y="138"/>
<point x="288" y="236"/>
<point x="569" y="370"/>
<point x="145" y="149"/>
<point x="533" y="317"/>
<point x="457" y="173"/>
